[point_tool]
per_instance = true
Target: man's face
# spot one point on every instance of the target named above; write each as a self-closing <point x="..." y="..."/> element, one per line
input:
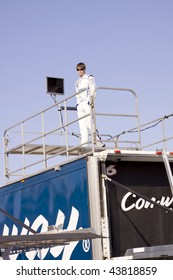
<point x="81" y="71"/>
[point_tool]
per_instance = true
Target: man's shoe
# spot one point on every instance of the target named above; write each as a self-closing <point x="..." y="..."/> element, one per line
<point x="100" y="145"/>
<point x="85" y="147"/>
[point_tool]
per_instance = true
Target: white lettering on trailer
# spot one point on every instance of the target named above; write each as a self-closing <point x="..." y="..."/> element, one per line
<point x="141" y="203"/>
<point x="111" y="170"/>
<point x="41" y="221"/>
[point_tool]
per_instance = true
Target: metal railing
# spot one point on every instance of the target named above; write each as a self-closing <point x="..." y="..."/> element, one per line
<point x="51" y="137"/>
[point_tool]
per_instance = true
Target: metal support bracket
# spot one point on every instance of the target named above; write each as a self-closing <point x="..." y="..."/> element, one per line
<point x="168" y="169"/>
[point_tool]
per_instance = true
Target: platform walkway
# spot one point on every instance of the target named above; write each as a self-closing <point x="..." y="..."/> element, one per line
<point x="51" y="137"/>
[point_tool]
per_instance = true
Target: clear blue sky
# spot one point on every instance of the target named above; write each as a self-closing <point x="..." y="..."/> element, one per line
<point x="125" y="43"/>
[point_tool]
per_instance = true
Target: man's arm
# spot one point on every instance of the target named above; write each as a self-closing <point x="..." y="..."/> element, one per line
<point x="92" y="86"/>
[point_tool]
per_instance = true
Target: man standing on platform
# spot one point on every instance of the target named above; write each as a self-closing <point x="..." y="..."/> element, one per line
<point x="86" y="89"/>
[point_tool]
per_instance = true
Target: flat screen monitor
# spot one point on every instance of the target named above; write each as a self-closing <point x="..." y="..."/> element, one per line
<point x="55" y="85"/>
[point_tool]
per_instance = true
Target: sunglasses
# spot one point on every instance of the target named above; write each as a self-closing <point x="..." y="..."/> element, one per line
<point x="80" y="69"/>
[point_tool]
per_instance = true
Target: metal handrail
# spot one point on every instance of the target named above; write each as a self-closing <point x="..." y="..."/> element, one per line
<point x="21" y="139"/>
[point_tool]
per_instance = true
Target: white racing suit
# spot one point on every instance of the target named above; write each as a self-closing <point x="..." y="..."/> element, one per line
<point x="85" y="86"/>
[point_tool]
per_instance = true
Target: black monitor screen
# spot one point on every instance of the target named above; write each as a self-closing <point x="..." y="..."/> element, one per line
<point x="55" y="85"/>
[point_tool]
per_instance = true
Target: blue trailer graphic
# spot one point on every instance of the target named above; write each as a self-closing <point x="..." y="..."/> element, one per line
<point x="52" y="197"/>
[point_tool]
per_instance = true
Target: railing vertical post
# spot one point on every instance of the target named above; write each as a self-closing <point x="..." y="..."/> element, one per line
<point x="23" y="147"/>
<point x="163" y="133"/>
<point x="93" y="121"/>
<point x="6" y="159"/>
<point x="43" y="141"/>
<point x="66" y="128"/>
